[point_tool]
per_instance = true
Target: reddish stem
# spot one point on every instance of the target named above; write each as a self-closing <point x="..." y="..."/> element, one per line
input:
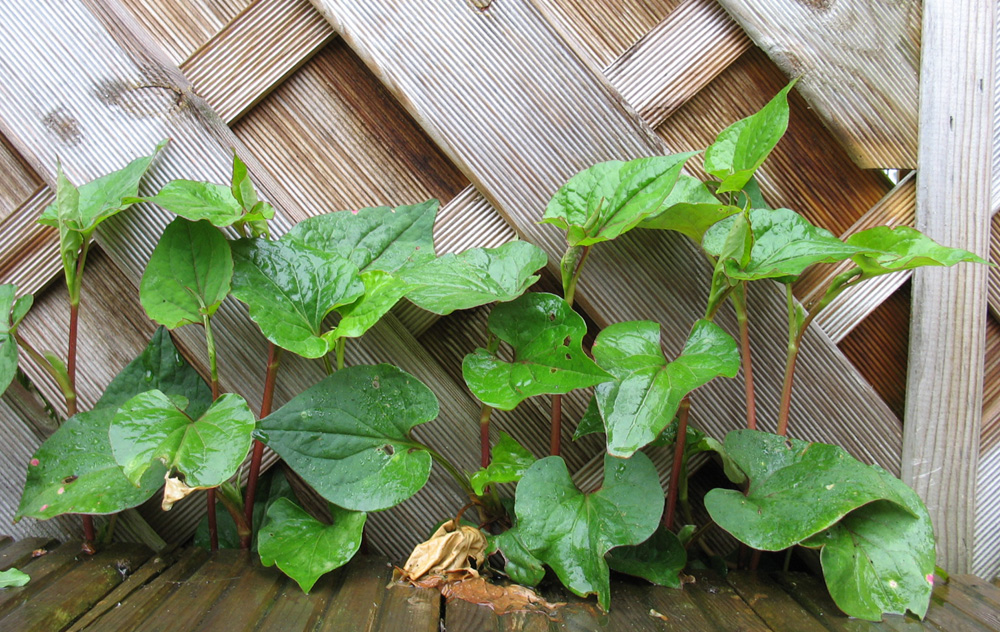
<point x="739" y="302"/>
<point x="89" y="535"/>
<point x="484" y="435"/>
<point x="213" y="531"/>
<point x="273" y="362"/>
<point x="74" y="318"/>
<point x="675" y="472"/>
<point x="556" y="438"/>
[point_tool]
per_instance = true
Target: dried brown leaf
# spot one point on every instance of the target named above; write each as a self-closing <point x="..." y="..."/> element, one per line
<point x="500" y="599"/>
<point x="450" y="549"/>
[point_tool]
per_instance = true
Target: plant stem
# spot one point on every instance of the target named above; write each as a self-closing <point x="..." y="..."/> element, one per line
<point x="571" y="266"/>
<point x="234" y="509"/>
<point x="74" y="319"/>
<point x="796" y="329"/>
<point x="60" y="378"/>
<point x="739" y="297"/>
<point x="327" y="365"/>
<point x="341" y="350"/>
<point x="463" y="481"/>
<point x="555" y="438"/>
<point x="213" y="532"/>
<point x="273" y="362"/>
<point x="484" y="434"/>
<point x="675" y="473"/>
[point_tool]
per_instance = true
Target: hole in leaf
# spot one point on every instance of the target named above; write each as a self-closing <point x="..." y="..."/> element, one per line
<point x="552" y="370"/>
<point x="70" y="479"/>
<point x="788" y="444"/>
<point x="386" y="449"/>
<point x="569" y="357"/>
<point x="566" y="342"/>
<point x="375" y="383"/>
<point x="552" y="316"/>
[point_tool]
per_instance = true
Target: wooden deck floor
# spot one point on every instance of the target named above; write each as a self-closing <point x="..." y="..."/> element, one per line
<point x="129" y="588"/>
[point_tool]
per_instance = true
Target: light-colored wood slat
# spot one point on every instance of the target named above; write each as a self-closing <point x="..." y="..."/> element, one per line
<point x="526" y="119"/>
<point x="675" y="60"/>
<point x="858" y="63"/>
<point x="262" y="46"/>
<point x="19" y="181"/>
<point x="30" y="251"/>
<point x="947" y="332"/>
<point x="180" y="27"/>
<point x="987" y="554"/>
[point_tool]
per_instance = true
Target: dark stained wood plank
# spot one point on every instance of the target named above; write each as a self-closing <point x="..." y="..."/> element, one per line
<point x="43" y="570"/>
<point x="682" y="610"/>
<point x="980" y="588"/>
<point x="722" y="604"/>
<point x="5" y="540"/>
<point x="411" y="609"/>
<point x="19" y="180"/>
<point x="77" y="590"/>
<point x="247" y="600"/>
<point x="19" y="553"/>
<point x="638" y="605"/>
<point x="954" y="596"/>
<point x="134" y="610"/>
<point x="462" y="616"/>
<point x="295" y="610"/>
<point x="360" y="594"/>
<point x="771" y="603"/>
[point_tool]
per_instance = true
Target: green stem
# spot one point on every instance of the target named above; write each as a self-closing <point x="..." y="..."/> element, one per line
<point x="212" y="364"/>
<point x="463" y="481"/>
<point x="61" y="379"/>
<point x="796" y="329"/>
<point x="327" y="366"/>
<point x="739" y="297"/>
<point x="571" y="267"/>
<point x="484" y="434"/>
<point x="230" y="500"/>
<point x="717" y="297"/>
<point x="341" y="350"/>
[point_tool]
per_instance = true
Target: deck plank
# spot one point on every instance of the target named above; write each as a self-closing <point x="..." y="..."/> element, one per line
<point x="772" y="603"/>
<point x="42" y="570"/>
<point x="359" y="596"/>
<point x="723" y="604"/>
<point x="979" y="588"/>
<point x="247" y="600"/>
<point x="19" y="553"/>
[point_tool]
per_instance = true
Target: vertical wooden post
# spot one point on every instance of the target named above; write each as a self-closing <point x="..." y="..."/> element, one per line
<point x="947" y="333"/>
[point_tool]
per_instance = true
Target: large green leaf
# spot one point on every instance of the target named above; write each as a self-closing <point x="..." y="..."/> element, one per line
<point x="743" y="146"/>
<point x="206" y="450"/>
<point x="660" y="559"/>
<point x="349" y="436"/>
<point x="647" y="389"/>
<point x="547" y="336"/>
<point x="509" y="463"/>
<point x="880" y="558"/>
<point x="784" y="245"/>
<point x="474" y="277"/>
<point x="571" y="531"/>
<point x="11" y="313"/>
<point x="188" y="274"/>
<point x="304" y="548"/>
<point x="378" y="238"/>
<point x="290" y="288"/>
<point x="690" y="209"/>
<point x="885" y="250"/>
<point x="522" y="567"/>
<point x="74" y="471"/>
<point x="611" y="198"/>
<point x="199" y="201"/>
<point x="382" y="292"/>
<point x="797" y="489"/>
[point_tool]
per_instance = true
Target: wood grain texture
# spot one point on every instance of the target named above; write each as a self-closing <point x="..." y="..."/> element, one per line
<point x="180" y="27"/>
<point x="947" y="332"/>
<point x="858" y="63"/>
<point x="19" y="180"/>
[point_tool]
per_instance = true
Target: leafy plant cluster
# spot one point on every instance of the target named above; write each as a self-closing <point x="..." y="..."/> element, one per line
<point x="349" y="436"/>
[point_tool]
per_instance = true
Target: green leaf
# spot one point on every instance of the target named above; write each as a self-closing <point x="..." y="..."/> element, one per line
<point x="660" y="559"/>
<point x="743" y="146"/>
<point x="697" y="442"/>
<point x="591" y="422"/>
<point x="379" y="238"/>
<point x="271" y="486"/>
<point x="797" y="489"/>
<point x="349" y="436"/>
<point x="290" y="288"/>
<point x="571" y="531"/>
<point x="647" y="389"/>
<point x="198" y="201"/>
<point x="880" y="558"/>
<point x="474" y="277"/>
<point x="188" y="274"/>
<point x="304" y="548"/>
<point x="382" y="292"/>
<point x="884" y="250"/>
<point x="206" y="450"/>
<point x="242" y="187"/>
<point x="509" y="462"/>
<point x="67" y="218"/>
<point x="13" y="577"/>
<point x="522" y="567"/>
<point x="11" y="313"/>
<point x="547" y="336"/>
<point x="784" y="245"/>
<point x="611" y="198"/>
<point x="74" y="471"/>
<point x="690" y="209"/>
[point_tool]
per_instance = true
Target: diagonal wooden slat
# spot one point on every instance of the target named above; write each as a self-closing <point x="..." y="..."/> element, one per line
<point x="182" y="26"/>
<point x="506" y="124"/>
<point x="18" y="183"/>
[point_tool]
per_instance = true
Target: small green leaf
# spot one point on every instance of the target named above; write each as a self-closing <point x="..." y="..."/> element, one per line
<point x="797" y="489"/>
<point x="188" y="274"/>
<point x="242" y="187"/>
<point x="11" y="313"/>
<point x="522" y="567"/>
<point x="382" y="292"/>
<point x="379" y="238"/>
<point x="591" y="422"/>
<point x="547" y="336"/>
<point x="690" y="209"/>
<point x="66" y="216"/>
<point x="349" y="436"/>
<point x="611" y="198"/>
<point x="206" y="450"/>
<point x="199" y="201"/>
<point x="660" y="559"/>
<point x="784" y="245"/>
<point x="509" y="462"/>
<point x="697" y="442"/>
<point x="743" y="146"/>
<point x="13" y="577"/>
<point x="571" y="531"/>
<point x="75" y="471"/>
<point x="290" y="288"/>
<point x="304" y="548"/>
<point x="885" y="250"/>
<point x="474" y="277"/>
<point x="647" y="389"/>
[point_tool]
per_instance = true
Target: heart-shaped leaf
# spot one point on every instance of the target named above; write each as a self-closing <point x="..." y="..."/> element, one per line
<point x="382" y="292"/>
<point x="885" y="250"/>
<point x="547" y="336"/>
<point x="378" y="238"/>
<point x="349" y="436"/>
<point x="522" y="567"/>
<point x="304" y="548"/>
<point x="743" y="146"/>
<point x="206" y="450"/>
<point x="784" y="245"/>
<point x="797" y="489"/>
<point x="474" y="277"/>
<point x="188" y="274"/>
<point x="11" y="313"/>
<point x="690" y="209"/>
<point x="510" y="461"/>
<point x="290" y="288"/>
<point x="660" y="559"/>
<point x="571" y="531"/>
<point x="880" y="558"/>
<point x="75" y="471"/>
<point x="199" y="201"/>
<point x="611" y="198"/>
<point x="647" y="389"/>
